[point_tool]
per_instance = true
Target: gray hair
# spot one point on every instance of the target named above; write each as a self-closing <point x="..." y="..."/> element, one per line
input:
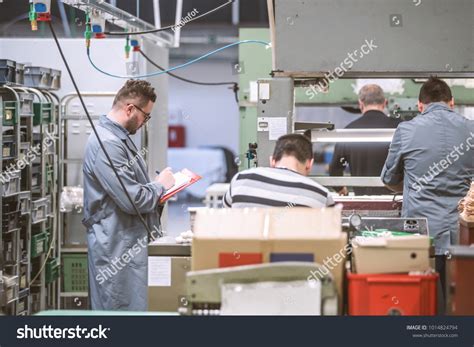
<point x="371" y="94"/>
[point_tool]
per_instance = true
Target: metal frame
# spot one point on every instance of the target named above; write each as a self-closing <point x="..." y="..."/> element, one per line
<point x="125" y="20"/>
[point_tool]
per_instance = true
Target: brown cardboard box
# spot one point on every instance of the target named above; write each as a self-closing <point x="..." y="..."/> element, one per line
<point x="391" y="254"/>
<point x="232" y="237"/>
<point x="466" y="232"/>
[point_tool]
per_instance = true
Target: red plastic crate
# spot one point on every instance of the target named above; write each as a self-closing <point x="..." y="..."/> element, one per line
<point x="392" y="294"/>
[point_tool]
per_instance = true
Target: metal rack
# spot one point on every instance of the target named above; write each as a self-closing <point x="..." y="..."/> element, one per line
<point x="28" y="242"/>
<point x="75" y="130"/>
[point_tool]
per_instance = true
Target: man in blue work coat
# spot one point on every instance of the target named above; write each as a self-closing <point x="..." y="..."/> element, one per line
<point x="431" y="158"/>
<point x="117" y="239"/>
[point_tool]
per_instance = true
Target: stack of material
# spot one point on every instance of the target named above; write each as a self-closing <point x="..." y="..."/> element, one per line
<point x="466" y="218"/>
<point x="392" y="276"/>
<point x="236" y="237"/>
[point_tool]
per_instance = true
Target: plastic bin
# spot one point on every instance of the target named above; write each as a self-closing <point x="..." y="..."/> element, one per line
<point x="10" y="113"/>
<point x="392" y="294"/>
<point x="52" y="270"/>
<point x="55" y="79"/>
<point x="20" y="74"/>
<point x="25" y="202"/>
<point x="37" y="77"/>
<point x="9" y="147"/>
<point x="75" y="273"/>
<point x="40" y="210"/>
<point x="26" y="104"/>
<point x="35" y="176"/>
<point x="7" y="71"/>
<point x="42" y="113"/>
<point x="11" y="182"/>
<point x="39" y="244"/>
<point x="10" y="215"/>
<point x="11" y="288"/>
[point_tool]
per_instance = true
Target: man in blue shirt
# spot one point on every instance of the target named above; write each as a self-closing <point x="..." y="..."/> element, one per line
<point x="431" y="159"/>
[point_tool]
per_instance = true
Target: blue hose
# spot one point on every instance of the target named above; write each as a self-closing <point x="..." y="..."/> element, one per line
<point x="179" y="66"/>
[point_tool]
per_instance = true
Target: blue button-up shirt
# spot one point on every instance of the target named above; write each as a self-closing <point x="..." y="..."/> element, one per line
<point x="433" y="155"/>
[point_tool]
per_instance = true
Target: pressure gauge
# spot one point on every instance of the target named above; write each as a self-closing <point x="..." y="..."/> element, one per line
<point x="355" y="221"/>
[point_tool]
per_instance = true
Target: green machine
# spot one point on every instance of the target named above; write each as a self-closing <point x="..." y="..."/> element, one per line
<point x="255" y="63"/>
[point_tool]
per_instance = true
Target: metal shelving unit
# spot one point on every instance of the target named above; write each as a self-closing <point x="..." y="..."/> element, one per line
<point x="29" y="252"/>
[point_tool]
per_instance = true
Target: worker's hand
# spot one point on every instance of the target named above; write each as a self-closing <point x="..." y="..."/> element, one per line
<point x="166" y="178"/>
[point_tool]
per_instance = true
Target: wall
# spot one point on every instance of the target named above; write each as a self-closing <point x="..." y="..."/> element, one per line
<point x="210" y="113"/>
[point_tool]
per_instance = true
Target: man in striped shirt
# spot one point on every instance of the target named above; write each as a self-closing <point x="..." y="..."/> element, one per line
<point x="284" y="183"/>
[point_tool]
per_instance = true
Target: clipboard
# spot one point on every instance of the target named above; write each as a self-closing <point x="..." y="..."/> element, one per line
<point x="184" y="179"/>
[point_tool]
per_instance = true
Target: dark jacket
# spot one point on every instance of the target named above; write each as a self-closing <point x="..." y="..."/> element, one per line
<point x="364" y="158"/>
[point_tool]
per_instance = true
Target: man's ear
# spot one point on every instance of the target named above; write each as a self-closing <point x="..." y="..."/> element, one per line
<point x="272" y="162"/>
<point x="421" y="107"/>
<point x="451" y="103"/>
<point x="361" y="106"/>
<point x="309" y="165"/>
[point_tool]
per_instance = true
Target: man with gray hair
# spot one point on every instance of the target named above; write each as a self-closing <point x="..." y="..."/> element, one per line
<point x="363" y="158"/>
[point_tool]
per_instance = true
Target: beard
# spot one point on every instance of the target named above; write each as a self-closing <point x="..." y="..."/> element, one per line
<point x="132" y="125"/>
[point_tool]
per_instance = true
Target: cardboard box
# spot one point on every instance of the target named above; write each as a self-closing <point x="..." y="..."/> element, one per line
<point x="466" y="232"/>
<point x="391" y="254"/>
<point x="233" y="237"/>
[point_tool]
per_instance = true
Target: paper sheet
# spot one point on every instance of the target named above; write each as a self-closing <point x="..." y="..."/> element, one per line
<point x="180" y="180"/>
<point x="159" y="271"/>
<point x="277" y="127"/>
<point x="271" y="298"/>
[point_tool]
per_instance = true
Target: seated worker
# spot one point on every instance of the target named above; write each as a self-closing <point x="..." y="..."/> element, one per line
<point x="431" y="160"/>
<point x="365" y="158"/>
<point x="284" y="184"/>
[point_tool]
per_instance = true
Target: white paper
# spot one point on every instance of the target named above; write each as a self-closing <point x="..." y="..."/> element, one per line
<point x="253" y="91"/>
<point x="271" y="298"/>
<point x="159" y="271"/>
<point x="264" y="91"/>
<point x="277" y="127"/>
<point x="180" y="180"/>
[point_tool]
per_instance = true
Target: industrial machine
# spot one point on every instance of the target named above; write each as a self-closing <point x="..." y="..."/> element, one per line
<point x="292" y="69"/>
<point x="264" y="289"/>
<point x="306" y="73"/>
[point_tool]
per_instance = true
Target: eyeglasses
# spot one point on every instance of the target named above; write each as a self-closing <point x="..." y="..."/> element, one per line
<point x="147" y="115"/>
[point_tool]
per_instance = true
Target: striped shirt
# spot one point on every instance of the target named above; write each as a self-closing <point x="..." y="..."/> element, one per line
<point x="275" y="187"/>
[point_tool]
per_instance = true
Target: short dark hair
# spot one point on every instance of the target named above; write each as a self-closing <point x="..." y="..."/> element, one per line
<point x="136" y="89"/>
<point x="434" y="90"/>
<point x="296" y="145"/>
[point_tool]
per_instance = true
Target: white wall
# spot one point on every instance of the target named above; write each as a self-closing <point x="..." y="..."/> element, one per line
<point x="107" y="54"/>
<point x="210" y="113"/>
